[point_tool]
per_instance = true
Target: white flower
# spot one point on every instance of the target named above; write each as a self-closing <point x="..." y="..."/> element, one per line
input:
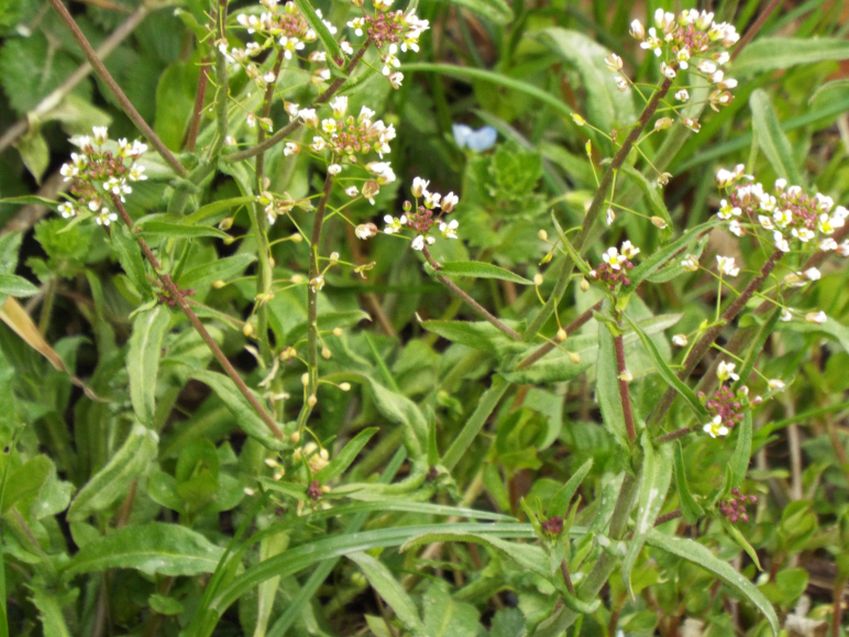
<point x="352" y="191"/>
<point x="396" y="79"/>
<point x="419" y="187"/>
<point x="682" y="95"/>
<point x="394" y="224"/>
<point x="725" y="371"/>
<point x="365" y="231"/>
<point x="786" y="315"/>
<point x="816" y="317"/>
<point x="637" y="30"/>
<point x="735" y="228"/>
<point x="334" y="169"/>
<point x="291" y="148"/>
<point x="780" y="241"/>
<point x="100" y="134"/>
<point x="431" y="199"/>
<point x="690" y="263"/>
<point x="613" y="62"/>
<point x="775" y="384"/>
<point x="449" y="230"/>
<point x="449" y="202"/>
<point x="419" y="242"/>
<point x="612" y="258"/>
<point x="715" y="428"/>
<point x="105" y="217"/>
<point x="629" y="250"/>
<point x="67" y="210"/>
<point x="667" y="70"/>
<point x="308" y="116"/>
<point x="339" y="105"/>
<point x="813" y="274"/>
<point x="727" y="266"/>
<point x="680" y="340"/>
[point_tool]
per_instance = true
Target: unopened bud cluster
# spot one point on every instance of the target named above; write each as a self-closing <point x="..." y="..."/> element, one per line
<point x="103" y="169"/>
<point x="793" y="216"/>
<point x="735" y="508"/>
<point x="726" y="405"/>
<point x="616" y="265"/>
<point x="429" y="211"/>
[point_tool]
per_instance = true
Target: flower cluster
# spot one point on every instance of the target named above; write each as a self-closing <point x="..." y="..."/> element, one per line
<point x="616" y="265"/>
<point x="692" y="41"/>
<point x="726" y="406"/>
<point x="102" y="170"/>
<point x="390" y="32"/>
<point x="429" y="211"/>
<point x="735" y="508"/>
<point x="788" y="212"/>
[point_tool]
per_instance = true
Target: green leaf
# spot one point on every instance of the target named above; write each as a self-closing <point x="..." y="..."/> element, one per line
<point x="739" y="464"/>
<point x="771" y="139"/>
<point x="666" y="372"/>
<point x="342" y="460"/>
<point x="479" y="335"/>
<point x="561" y="499"/>
<point x="606" y="106"/>
<point x="402" y="411"/>
<point x="143" y="354"/>
<point x="390" y="590"/>
<point x="246" y="418"/>
<point x="701" y="556"/>
<point x="14" y="285"/>
<point x="34" y="153"/>
<point x="690" y="509"/>
<point x="174" y="102"/>
<point x="10" y="245"/>
<point x="607" y="386"/>
<point x="475" y="423"/>
<point x="655" y="476"/>
<point x="171" y="226"/>
<point x="50" y="612"/>
<point x="768" y="54"/>
<point x="30" y="68"/>
<point x="113" y="480"/>
<point x="220" y="269"/>
<point x="498" y="11"/>
<point x="444" y="616"/>
<point x="129" y="257"/>
<point x="741" y="540"/>
<point x="152" y="548"/>
<point x="331" y="46"/>
<point x="481" y="270"/>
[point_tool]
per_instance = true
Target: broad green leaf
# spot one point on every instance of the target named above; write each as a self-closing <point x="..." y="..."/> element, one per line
<point x="606" y="106"/>
<point x="143" y="354"/>
<point x="768" y="54"/>
<point x="215" y="208"/>
<point x="343" y="459"/>
<point x="171" y="226"/>
<point x="479" y="335"/>
<point x="221" y="269"/>
<point x="481" y="270"/>
<point x="34" y="153"/>
<point x="383" y="582"/>
<point x="498" y="11"/>
<point x="129" y="256"/>
<point x="331" y="46"/>
<point x="690" y="509"/>
<point x="739" y="464"/>
<point x="50" y="611"/>
<point x="152" y="548"/>
<point x="655" y="476"/>
<point x="10" y="245"/>
<point x="771" y="139"/>
<point x="402" y="411"/>
<point x="700" y="555"/>
<point x="14" y="285"/>
<point x="667" y="374"/>
<point x="174" y="101"/>
<point x="246" y="418"/>
<point x="444" y="616"/>
<point x="113" y="480"/>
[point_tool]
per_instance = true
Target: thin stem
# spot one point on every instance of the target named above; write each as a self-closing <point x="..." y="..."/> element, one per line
<point x="595" y="208"/>
<point x="179" y="298"/>
<point x="624" y="395"/>
<point x="123" y="100"/>
<point x="697" y="353"/>
<point x="197" y="109"/>
<point x="666" y="517"/>
<point x="468" y="300"/>
<point x="549" y="345"/>
<point x="287" y="130"/>
<point x="753" y="30"/>
<point x="19" y="128"/>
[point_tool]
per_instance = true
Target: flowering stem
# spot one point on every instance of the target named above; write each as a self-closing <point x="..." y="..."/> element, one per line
<point x="294" y="124"/>
<point x="179" y="298"/>
<point x="595" y="208"/>
<point x="312" y="301"/>
<point x="468" y="300"/>
<point x="549" y="345"/>
<point x="123" y="100"/>
<point x="703" y="344"/>
<point x="624" y="396"/>
<point x="197" y="109"/>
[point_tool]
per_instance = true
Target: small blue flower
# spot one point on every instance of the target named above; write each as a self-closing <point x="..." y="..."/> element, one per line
<point x="478" y="140"/>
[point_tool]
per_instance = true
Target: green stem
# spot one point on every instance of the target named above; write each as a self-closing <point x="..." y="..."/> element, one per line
<point x="476" y="422"/>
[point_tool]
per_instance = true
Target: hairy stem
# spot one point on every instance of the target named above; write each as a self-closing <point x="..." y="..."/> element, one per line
<point x="595" y="208"/>
<point x="624" y="395"/>
<point x="179" y="298"/>
<point x="123" y="100"/>
<point x="468" y="300"/>
<point x="197" y="109"/>
<point x="287" y="130"/>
